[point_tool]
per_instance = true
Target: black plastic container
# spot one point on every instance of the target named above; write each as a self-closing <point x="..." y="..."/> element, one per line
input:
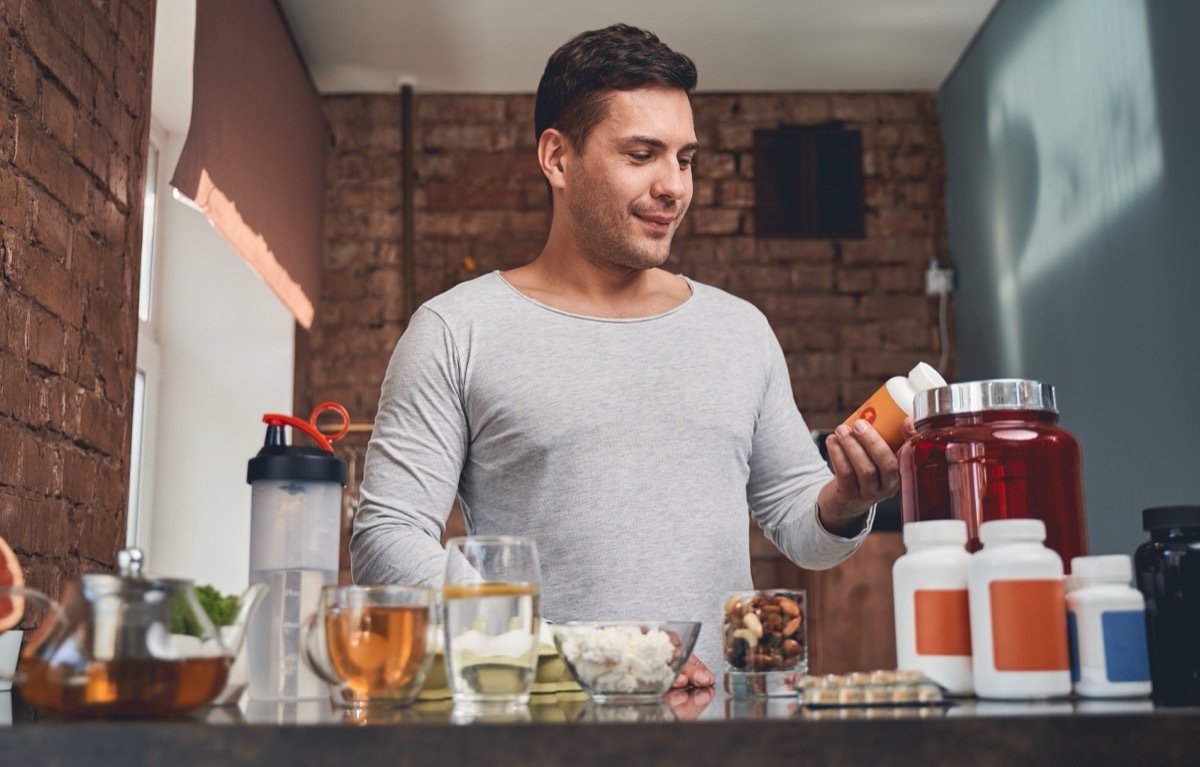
<point x="1168" y="574"/>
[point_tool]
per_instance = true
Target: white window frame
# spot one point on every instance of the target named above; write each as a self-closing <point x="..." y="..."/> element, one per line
<point x="144" y="442"/>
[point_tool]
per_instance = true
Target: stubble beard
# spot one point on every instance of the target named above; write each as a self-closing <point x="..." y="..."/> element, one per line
<point x="607" y="237"/>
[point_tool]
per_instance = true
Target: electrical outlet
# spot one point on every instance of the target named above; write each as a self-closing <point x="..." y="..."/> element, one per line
<point x="939" y="280"/>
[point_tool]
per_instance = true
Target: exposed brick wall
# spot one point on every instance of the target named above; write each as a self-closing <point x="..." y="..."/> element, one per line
<point x="479" y="195"/>
<point x="74" y="123"/>
<point x="848" y="313"/>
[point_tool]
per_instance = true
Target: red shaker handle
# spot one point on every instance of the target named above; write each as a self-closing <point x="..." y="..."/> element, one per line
<point x="309" y="427"/>
<point x="335" y="407"/>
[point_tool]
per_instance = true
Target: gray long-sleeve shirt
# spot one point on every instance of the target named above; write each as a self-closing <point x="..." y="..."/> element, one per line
<point x="628" y="449"/>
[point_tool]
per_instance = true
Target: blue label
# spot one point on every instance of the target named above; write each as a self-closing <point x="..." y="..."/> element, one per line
<point x="1073" y="645"/>
<point x="1125" y="656"/>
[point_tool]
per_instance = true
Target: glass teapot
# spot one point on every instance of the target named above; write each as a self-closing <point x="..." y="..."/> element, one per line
<point x="107" y="650"/>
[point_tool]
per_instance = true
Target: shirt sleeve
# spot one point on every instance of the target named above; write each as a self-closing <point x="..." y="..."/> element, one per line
<point x="413" y="462"/>
<point x="786" y="475"/>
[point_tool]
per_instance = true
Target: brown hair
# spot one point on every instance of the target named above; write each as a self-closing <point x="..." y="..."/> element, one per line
<point x="571" y="96"/>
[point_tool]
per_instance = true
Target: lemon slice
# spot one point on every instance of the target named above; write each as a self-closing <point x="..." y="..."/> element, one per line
<point x="12" y="608"/>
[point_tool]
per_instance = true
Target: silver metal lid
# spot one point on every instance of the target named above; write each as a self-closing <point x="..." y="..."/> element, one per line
<point x="130" y="578"/>
<point x="981" y="396"/>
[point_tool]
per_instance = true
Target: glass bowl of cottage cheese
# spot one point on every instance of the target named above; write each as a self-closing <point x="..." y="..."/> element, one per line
<point x="625" y="661"/>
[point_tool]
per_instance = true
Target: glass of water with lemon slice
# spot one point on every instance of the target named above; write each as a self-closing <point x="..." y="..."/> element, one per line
<point x="491" y="607"/>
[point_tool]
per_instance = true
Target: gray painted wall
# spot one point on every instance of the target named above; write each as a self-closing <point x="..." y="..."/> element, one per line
<point x="1072" y="135"/>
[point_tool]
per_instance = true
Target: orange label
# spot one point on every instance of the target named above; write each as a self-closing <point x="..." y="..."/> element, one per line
<point x="882" y="412"/>
<point x="1029" y="625"/>
<point x="943" y="621"/>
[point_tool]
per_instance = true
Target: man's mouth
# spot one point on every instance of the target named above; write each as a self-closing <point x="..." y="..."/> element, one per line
<point x="662" y="220"/>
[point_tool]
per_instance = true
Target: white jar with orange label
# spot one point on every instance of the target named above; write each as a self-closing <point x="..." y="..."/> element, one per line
<point x="1018" y="613"/>
<point x="933" y="622"/>
<point x="891" y="403"/>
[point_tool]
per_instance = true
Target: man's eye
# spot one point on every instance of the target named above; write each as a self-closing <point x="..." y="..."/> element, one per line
<point x="685" y="163"/>
<point x="640" y="156"/>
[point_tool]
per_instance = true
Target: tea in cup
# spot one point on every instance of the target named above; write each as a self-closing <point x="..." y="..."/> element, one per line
<point x="372" y="644"/>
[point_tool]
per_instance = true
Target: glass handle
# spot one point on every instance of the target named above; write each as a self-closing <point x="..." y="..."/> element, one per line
<point x="56" y="619"/>
<point x="315" y="654"/>
<point x="248" y="603"/>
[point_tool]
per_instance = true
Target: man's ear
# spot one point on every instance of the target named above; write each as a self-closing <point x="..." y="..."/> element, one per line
<point x="553" y="149"/>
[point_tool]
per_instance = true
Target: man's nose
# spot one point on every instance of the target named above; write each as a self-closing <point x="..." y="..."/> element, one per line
<point x="671" y="182"/>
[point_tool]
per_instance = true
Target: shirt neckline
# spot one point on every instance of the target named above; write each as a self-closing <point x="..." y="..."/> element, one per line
<point x="590" y="318"/>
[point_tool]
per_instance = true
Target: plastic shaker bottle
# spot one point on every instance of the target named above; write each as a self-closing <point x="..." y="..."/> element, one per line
<point x="295" y="530"/>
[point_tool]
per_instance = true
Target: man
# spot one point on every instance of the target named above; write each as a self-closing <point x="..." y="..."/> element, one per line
<point x="622" y="416"/>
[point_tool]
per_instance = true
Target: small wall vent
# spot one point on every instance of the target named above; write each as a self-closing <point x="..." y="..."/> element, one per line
<point x="808" y="182"/>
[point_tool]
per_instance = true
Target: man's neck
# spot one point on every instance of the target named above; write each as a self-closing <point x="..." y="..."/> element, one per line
<point x="565" y="280"/>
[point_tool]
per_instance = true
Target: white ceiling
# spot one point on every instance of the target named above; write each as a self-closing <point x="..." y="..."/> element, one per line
<point x="501" y="46"/>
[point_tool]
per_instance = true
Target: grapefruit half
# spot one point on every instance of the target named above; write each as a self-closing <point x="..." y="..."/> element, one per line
<point x="12" y="608"/>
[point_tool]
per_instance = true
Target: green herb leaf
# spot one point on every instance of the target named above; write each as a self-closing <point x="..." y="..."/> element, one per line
<point x="221" y="610"/>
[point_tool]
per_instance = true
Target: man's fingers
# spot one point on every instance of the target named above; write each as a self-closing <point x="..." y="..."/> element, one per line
<point x="861" y="461"/>
<point x="698" y="673"/>
<point x="684" y="679"/>
<point x="866" y="468"/>
<point x="884" y="464"/>
<point x="693" y="674"/>
<point x="843" y="471"/>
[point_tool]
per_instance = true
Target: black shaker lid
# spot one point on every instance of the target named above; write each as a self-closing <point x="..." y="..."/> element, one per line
<point x="278" y="460"/>
<point x="1166" y="517"/>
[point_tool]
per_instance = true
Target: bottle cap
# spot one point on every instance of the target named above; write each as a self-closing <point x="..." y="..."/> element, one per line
<point x="982" y="396"/>
<point x="1166" y="517"/>
<point x="952" y="531"/>
<point x="924" y="377"/>
<point x="295" y="463"/>
<point x="996" y="530"/>
<point x="279" y="461"/>
<point x="1110" y="567"/>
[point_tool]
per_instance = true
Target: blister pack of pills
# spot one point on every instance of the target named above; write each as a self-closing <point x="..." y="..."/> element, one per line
<point x="873" y="688"/>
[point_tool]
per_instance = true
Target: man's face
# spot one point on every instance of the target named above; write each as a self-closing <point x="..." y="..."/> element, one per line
<point x="627" y="190"/>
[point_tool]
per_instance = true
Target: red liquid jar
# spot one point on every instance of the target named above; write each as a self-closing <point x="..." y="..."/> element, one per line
<point x="989" y="450"/>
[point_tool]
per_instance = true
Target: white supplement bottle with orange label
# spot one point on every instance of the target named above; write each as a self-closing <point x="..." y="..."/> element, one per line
<point x="933" y="621"/>
<point x="1018" y="613"/>
<point x="893" y="402"/>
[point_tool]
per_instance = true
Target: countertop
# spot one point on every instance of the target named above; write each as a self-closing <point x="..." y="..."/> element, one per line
<point x="697" y="728"/>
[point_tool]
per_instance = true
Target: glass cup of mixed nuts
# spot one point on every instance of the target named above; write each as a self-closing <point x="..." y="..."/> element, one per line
<point x="764" y="631"/>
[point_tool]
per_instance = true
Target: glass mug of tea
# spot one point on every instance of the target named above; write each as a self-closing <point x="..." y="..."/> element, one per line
<point x="491" y="606"/>
<point x="372" y="644"/>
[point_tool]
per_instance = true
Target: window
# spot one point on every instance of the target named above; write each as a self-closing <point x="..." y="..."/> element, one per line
<point x="145" y="385"/>
<point x="135" y="456"/>
<point x="808" y="182"/>
<point x="149" y="219"/>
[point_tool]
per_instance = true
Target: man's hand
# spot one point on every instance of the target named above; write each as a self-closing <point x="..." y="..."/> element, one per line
<point x="694" y="674"/>
<point x="865" y="471"/>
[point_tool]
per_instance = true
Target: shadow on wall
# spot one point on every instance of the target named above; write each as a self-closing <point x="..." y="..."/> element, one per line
<point x="1070" y="142"/>
<point x="1013" y="170"/>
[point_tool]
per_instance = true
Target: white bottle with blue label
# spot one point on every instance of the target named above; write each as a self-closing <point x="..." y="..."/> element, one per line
<point x="1106" y="621"/>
